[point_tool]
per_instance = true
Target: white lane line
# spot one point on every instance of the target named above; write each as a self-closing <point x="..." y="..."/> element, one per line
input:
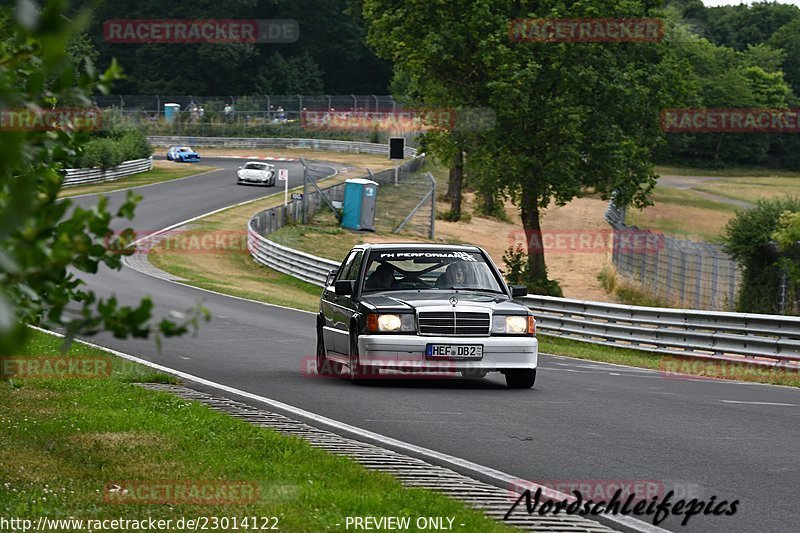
<point x="760" y="403"/>
<point x="138" y="186"/>
<point x="500" y="478"/>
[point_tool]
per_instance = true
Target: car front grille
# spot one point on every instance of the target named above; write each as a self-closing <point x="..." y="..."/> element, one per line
<point x="453" y="323"/>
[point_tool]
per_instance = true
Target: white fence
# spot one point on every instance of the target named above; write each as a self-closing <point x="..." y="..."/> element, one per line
<point x="266" y="142"/>
<point x="82" y="176"/>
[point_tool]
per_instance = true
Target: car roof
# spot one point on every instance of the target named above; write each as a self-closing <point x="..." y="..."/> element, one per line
<point x="418" y="246"/>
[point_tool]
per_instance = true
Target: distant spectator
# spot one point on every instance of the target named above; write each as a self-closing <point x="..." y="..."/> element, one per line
<point x="228" y="113"/>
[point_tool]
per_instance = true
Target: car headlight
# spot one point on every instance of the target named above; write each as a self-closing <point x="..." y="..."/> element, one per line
<point x="390" y="323"/>
<point x="514" y="325"/>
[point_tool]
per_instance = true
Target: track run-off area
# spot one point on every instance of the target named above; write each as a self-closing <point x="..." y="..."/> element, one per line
<point x="582" y="422"/>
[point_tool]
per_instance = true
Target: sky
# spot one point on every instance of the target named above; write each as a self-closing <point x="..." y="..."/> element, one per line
<point x="713" y="3"/>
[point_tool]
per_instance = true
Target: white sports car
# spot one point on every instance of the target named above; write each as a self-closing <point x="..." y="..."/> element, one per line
<point x="256" y="173"/>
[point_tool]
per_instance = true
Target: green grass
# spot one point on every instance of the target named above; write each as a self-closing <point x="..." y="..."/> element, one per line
<point x="683" y="213"/>
<point x="321" y="237"/>
<point x="752" y="189"/>
<point x="65" y="440"/>
<point x="654" y="361"/>
<point x="737" y="171"/>
<point x="157" y="175"/>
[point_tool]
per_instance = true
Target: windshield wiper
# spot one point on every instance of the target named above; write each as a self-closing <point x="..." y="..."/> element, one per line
<point x="476" y="289"/>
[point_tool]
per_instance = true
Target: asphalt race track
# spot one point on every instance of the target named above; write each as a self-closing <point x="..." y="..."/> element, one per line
<point x="583" y="421"/>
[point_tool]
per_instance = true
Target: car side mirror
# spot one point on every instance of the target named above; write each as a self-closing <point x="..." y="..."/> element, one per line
<point x="240" y="168"/>
<point x="344" y="287"/>
<point x="329" y="277"/>
<point x="518" y="290"/>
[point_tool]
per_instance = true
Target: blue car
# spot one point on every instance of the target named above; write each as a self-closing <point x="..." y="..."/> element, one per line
<point x="183" y="154"/>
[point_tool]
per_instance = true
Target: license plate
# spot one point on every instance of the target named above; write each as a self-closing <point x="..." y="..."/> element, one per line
<point x="454" y="351"/>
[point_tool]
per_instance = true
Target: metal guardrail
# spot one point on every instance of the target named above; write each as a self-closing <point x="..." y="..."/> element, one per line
<point x="81" y="176"/>
<point x="267" y="142"/>
<point x="759" y="339"/>
<point x="301" y="265"/>
<point x="756" y="339"/>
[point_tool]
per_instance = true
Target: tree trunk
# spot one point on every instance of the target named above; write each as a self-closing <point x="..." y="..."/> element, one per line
<point x="451" y="183"/>
<point x="457" y="182"/>
<point x="533" y="236"/>
<point x="488" y="203"/>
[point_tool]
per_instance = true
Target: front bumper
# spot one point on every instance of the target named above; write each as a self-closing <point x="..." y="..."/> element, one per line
<point x="256" y="181"/>
<point x="407" y="352"/>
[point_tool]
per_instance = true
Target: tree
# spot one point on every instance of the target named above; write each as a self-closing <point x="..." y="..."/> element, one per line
<point x="45" y="243"/>
<point x="437" y="46"/>
<point x="788" y="39"/>
<point x="570" y="116"/>
<point x="738" y="26"/>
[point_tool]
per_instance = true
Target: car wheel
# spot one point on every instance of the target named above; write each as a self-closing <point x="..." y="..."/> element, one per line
<point x="521" y="378"/>
<point x="358" y="374"/>
<point x="473" y="374"/>
<point x="325" y="367"/>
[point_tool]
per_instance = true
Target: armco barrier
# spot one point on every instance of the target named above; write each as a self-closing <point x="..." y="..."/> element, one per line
<point x="761" y="339"/>
<point x="758" y="339"/>
<point x="81" y="176"/>
<point x="293" y="262"/>
<point x="265" y="142"/>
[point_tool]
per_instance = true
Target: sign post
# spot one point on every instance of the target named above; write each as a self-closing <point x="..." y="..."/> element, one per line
<point x="283" y="175"/>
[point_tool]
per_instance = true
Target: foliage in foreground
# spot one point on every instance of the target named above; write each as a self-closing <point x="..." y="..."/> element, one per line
<point x="44" y="243"/>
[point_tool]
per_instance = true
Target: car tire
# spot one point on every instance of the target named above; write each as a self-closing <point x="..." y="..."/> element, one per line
<point x="520" y="378"/>
<point x="358" y="374"/>
<point x="325" y="367"/>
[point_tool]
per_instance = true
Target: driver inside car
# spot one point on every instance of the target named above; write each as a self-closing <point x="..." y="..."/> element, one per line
<point x="454" y="275"/>
<point x="382" y="278"/>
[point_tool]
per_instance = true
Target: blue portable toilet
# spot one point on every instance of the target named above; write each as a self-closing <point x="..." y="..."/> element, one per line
<point x="171" y="111"/>
<point x="358" y="209"/>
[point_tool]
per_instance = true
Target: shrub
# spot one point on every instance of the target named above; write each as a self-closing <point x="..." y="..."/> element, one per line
<point x="449" y="216"/>
<point x="748" y="238"/>
<point x="103" y="153"/>
<point x="134" y="145"/>
<point x="516" y="262"/>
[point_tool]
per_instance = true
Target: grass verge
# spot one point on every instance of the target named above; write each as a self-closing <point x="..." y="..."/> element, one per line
<point x="162" y="171"/>
<point x="66" y="440"/>
<point x="683" y="213"/>
<point x="729" y="172"/>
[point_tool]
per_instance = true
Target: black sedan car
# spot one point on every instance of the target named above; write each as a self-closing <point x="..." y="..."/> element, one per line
<point x="421" y="308"/>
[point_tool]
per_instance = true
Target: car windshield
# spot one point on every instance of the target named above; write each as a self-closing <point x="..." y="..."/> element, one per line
<point x="184" y="149"/>
<point x="429" y="269"/>
<point x="256" y="166"/>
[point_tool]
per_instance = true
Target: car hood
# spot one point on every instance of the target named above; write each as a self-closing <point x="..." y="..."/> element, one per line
<point x="411" y="300"/>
